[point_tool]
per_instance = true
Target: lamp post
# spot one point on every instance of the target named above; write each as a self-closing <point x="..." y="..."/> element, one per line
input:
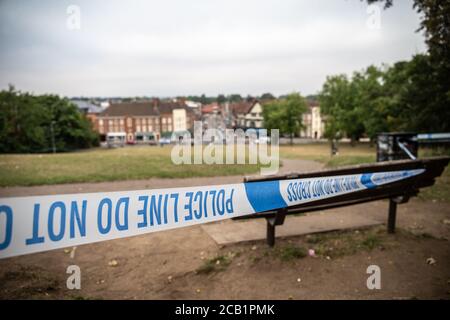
<point x="53" y="136"/>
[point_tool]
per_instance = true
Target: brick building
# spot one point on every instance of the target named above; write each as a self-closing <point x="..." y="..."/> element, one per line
<point x="144" y="118"/>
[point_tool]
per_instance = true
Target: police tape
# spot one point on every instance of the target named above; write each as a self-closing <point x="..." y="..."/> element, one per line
<point x="41" y="223"/>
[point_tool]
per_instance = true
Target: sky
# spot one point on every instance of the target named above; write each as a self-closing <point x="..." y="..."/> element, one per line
<point x="177" y="47"/>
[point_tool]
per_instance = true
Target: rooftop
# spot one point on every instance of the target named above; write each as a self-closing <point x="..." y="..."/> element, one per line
<point x="148" y="108"/>
<point x="131" y="109"/>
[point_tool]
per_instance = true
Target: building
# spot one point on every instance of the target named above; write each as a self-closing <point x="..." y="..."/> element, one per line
<point x="175" y="117"/>
<point x="314" y="124"/>
<point x="247" y="114"/>
<point x="213" y="116"/>
<point x="193" y="104"/>
<point x="89" y="109"/>
<point x="143" y="119"/>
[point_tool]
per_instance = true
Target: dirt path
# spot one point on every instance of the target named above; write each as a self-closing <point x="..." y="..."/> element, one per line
<point x="176" y="265"/>
<point x="182" y="263"/>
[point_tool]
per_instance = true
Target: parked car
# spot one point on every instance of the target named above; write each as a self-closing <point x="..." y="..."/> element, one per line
<point x="115" y="139"/>
<point x="145" y="138"/>
<point x="164" y="140"/>
<point x="131" y="142"/>
<point x="263" y="140"/>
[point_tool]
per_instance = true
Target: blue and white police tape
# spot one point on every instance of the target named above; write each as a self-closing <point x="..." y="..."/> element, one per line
<point x="41" y="223"/>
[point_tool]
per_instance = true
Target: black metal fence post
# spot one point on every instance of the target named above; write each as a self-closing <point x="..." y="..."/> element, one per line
<point x="270" y="234"/>
<point x="277" y="220"/>
<point x="392" y="216"/>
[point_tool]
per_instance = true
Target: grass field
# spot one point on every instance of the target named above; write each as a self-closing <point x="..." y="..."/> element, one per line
<point x="105" y="165"/>
<point x="348" y="155"/>
<point x="145" y="162"/>
<point x="154" y="162"/>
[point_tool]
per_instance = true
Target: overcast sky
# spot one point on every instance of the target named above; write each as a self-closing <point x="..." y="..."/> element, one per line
<point x="179" y="47"/>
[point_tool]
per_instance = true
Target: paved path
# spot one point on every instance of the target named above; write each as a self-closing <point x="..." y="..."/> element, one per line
<point x="229" y="231"/>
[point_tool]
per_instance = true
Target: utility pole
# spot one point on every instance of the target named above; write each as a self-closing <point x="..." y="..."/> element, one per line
<point x="53" y="136"/>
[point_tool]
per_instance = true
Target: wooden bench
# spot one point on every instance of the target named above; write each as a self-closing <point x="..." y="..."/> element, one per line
<point x="397" y="192"/>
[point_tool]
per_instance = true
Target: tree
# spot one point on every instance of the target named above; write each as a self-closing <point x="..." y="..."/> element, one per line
<point x="416" y="99"/>
<point x="234" y="98"/>
<point x="338" y="100"/>
<point x="221" y="98"/>
<point x="371" y="101"/>
<point x="408" y="96"/>
<point x="22" y="122"/>
<point x="249" y="98"/>
<point x="26" y="122"/>
<point x="435" y="23"/>
<point x="267" y="96"/>
<point x="285" y="114"/>
<point x="203" y="99"/>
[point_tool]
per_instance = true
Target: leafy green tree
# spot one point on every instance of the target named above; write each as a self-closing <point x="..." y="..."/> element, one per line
<point x="370" y="100"/>
<point x="416" y="99"/>
<point x="221" y="98"/>
<point x="267" y="96"/>
<point x="338" y="100"/>
<point x="273" y="114"/>
<point x="434" y="113"/>
<point x="285" y="114"/>
<point x="295" y="106"/>
<point x="249" y="98"/>
<point x="22" y="122"/>
<point x="401" y="97"/>
<point x="26" y="123"/>
<point x="234" y="98"/>
<point x="203" y="99"/>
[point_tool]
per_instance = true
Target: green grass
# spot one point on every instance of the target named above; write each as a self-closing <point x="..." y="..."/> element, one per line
<point x="350" y="160"/>
<point x="105" y="165"/>
<point x="216" y="264"/>
<point x="348" y="155"/>
<point x="364" y="153"/>
<point x="341" y="243"/>
<point x="371" y="241"/>
<point x="291" y="252"/>
<point x="440" y="191"/>
<point x="284" y="252"/>
<point x="131" y="163"/>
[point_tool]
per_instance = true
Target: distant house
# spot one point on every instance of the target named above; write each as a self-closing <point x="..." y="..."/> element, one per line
<point x="87" y="106"/>
<point x="89" y="109"/>
<point x="213" y="116"/>
<point x="193" y="104"/>
<point x="247" y="114"/>
<point x="175" y="117"/>
<point x="104" y="104"/>
<point x="314" y="124"/>
<point x="138" y="119"/>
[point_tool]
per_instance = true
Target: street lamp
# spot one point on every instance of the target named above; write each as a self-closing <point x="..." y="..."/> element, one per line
<point x="53" y="136"/>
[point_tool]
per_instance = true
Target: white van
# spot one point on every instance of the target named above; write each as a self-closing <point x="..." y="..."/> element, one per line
<point x="115" y="139"/>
